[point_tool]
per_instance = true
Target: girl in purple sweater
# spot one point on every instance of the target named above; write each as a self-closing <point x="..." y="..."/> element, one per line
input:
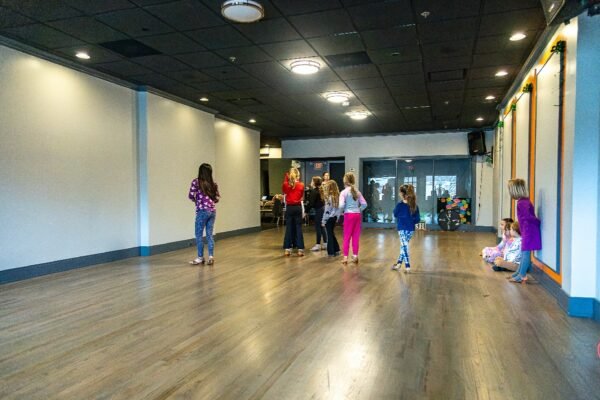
<point x="531" y="238"/>
<point x="204" y="192"/>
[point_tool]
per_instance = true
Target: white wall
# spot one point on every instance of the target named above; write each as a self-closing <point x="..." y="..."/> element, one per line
<point x="407" y="145"/>
<point x="237" y="173"/>
<point x="67" y="163"/>
<point x="179" y="139"/>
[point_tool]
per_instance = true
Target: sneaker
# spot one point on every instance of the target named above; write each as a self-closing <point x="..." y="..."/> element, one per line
<point x="287" y="252"/>
<point x="316" y="247"/>
<point x="300" y="253"/>
<point x="210" y="261"/>
<point x="324" y="246"/>
<point x="406" y="270"/>
<point x="396" y="267"/>
<point x="197" y="261"/>
<point x="355" y="259"/>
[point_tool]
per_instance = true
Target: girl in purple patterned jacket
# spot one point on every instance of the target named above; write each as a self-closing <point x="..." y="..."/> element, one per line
<point x="204" y="192"/>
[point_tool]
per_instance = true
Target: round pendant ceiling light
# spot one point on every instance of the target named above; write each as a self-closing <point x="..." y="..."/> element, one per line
<point x="358" y="115"/>
<point x="243" y="11"/>
<point x="336" y="97"/>
<point x="305" y="67"/>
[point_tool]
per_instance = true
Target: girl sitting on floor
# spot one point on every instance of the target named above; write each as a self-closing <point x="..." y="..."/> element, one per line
<point x="489" y="254"/>
<point x="512" y="254"/>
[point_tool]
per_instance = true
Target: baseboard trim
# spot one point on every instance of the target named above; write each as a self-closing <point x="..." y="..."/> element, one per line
<point x="580" y="307"/>
<point x="433" y="227"/>
<point x="33" y="271"/>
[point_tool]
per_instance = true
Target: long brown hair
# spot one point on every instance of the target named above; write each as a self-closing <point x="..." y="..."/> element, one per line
<point x="331" y="190"/>
<point x="350" y="180"/>
<point x="206" y="183"/>
<point x="317" y="181"/>
<point x="408" y="193"/>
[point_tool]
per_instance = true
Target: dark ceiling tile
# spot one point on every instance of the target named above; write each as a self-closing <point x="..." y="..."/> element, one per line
<point x="395" y="54"/>
<point x="397" y="36"/>
<point x="446" y="9"/>
<point x="382" y="15"/>
<point x="455" y="30"/>
<point x="96" y="7"/>
<point x="400" y="84"/>
<point x="489" y="73"/>
<point x="337" y="44"/>
<point x="135" y="22"/>
<point x="374" y="96"/>
<point x="292" y="7"/>
<point x="269" y="31"/>
<point x="202" y="59"/>
<point x="268" y="71"/>
<point x="447" y="49"/>
<point x="365" y="83"/>
<point x="209" y="87"/>
<point x="87" y="29"/>
<point x="245" y="55"/>
<point x="504" y="58"/>
<point x="225" y="72"/>
<point x="157" y="81"/>
<point x="499" y="6"/>
<point x="489" y="82"/>
<point x="515" y="21"/>
<point x="323" y="23"/>
<point x="186" y="15"/>
<point x="358" y="71"/>
<point x="245" y="83"/>
<point x="220" y="37"/>
<point x="43" y="35"/>
<point x="446" y="64"/>
<point x="447" y="85"/>
<point x="46" y="10"/>
<point x="161" y="63"/>
<point x="289" y="50"/>
<point x="172" y="43"/>
<point x="123" y="68"/>
<point x="9" y="19"/>
<point x="501" y="43"/>
<point x="97" y="54"/>
<point x="405" y="68"/>
<point x="144" y="3"/>
<point x="412" y="100"/>
<point x="189" y="76"/>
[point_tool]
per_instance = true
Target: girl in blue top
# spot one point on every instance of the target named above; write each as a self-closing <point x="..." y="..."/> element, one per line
<point x="407" y="216"/>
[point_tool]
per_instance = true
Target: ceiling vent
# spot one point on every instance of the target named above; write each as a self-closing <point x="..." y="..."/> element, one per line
<point x="348" y="59"/>
<point x="130" y="48"/>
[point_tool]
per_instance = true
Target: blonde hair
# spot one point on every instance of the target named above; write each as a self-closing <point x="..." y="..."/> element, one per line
<point x="516" y="227"/>
<point x="350" y="180"/>
<point x="408" y="193"/>
<point x="293" y="177"/>
<point x="517" y="189"/>
<point x="331" y="190"/>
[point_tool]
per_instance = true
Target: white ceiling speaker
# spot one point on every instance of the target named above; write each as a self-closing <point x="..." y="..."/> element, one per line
<point x="305" y="67"/>
<point x="336" y="97"/>
<point x="243" y="11"/>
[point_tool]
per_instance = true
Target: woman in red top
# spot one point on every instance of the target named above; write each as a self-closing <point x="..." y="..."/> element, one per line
<point x="294" y="194"/>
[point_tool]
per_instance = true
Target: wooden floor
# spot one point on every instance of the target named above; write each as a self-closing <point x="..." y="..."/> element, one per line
<point x="261" y="326"/>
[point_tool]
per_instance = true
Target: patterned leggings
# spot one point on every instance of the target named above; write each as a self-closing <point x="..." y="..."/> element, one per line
<point x="405" y="237"/>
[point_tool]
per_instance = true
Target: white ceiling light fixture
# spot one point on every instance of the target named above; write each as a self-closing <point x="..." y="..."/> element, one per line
<point x="517" y="36"/>
<point x="305" y="67"/>
<point x="242" y="11"/>
<point x="204" y="99"/>
<point x="252" y="120"/>
<point x="490" y="97"/>
<point x="358" y="115"/>
<point x="82" y="55"/>
<point x="479" y="119"/>
<point x="337" y="97"/>
<point x="501" y="73"/>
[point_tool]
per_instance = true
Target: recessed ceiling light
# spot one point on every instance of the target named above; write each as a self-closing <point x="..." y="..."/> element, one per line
<point x="479" y="119"/>
<point x="204" y="99"/>
<point x="408" y="160"/>
<point x="244" y="11"/>
<point x="252" y="120"/>
<point x="336" y="97"/>
<point x="358" y="115"/>
<point x="490" y="97"/>
<point x="305" y="67"/>
<point x="346" y="104"/>
<point x="501" y="73"/>
<point x="83" y="55"/>
<point x="517" y="36"/>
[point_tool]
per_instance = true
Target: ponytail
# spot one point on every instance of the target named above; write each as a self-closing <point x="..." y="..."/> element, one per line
<point x="408" y="193"/>
<point x="350" y="180"/>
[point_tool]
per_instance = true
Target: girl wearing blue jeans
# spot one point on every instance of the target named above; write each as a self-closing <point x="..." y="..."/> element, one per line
<point x="204" y="192"/>
<point x="407" y="216"/>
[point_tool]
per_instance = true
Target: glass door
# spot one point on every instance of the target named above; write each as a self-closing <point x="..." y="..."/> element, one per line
<point x="380" y="191"/>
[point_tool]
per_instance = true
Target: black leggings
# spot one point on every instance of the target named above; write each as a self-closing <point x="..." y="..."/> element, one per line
<point x="332" y="244"/>
<point x="293" y="228"/>
<point x="320" y="230"/>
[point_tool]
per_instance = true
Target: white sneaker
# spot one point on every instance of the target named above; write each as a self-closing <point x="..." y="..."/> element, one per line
<point x="316" y="247"/>
<point x="324" y="246"/>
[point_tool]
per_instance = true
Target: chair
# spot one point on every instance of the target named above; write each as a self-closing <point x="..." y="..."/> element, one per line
<point x="277" y="210"/>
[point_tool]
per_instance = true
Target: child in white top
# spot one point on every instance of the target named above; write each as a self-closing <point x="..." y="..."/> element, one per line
<point x="352" y="203"/>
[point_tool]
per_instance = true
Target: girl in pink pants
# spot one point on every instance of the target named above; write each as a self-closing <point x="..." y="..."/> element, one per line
<point x="351" y="203"/>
